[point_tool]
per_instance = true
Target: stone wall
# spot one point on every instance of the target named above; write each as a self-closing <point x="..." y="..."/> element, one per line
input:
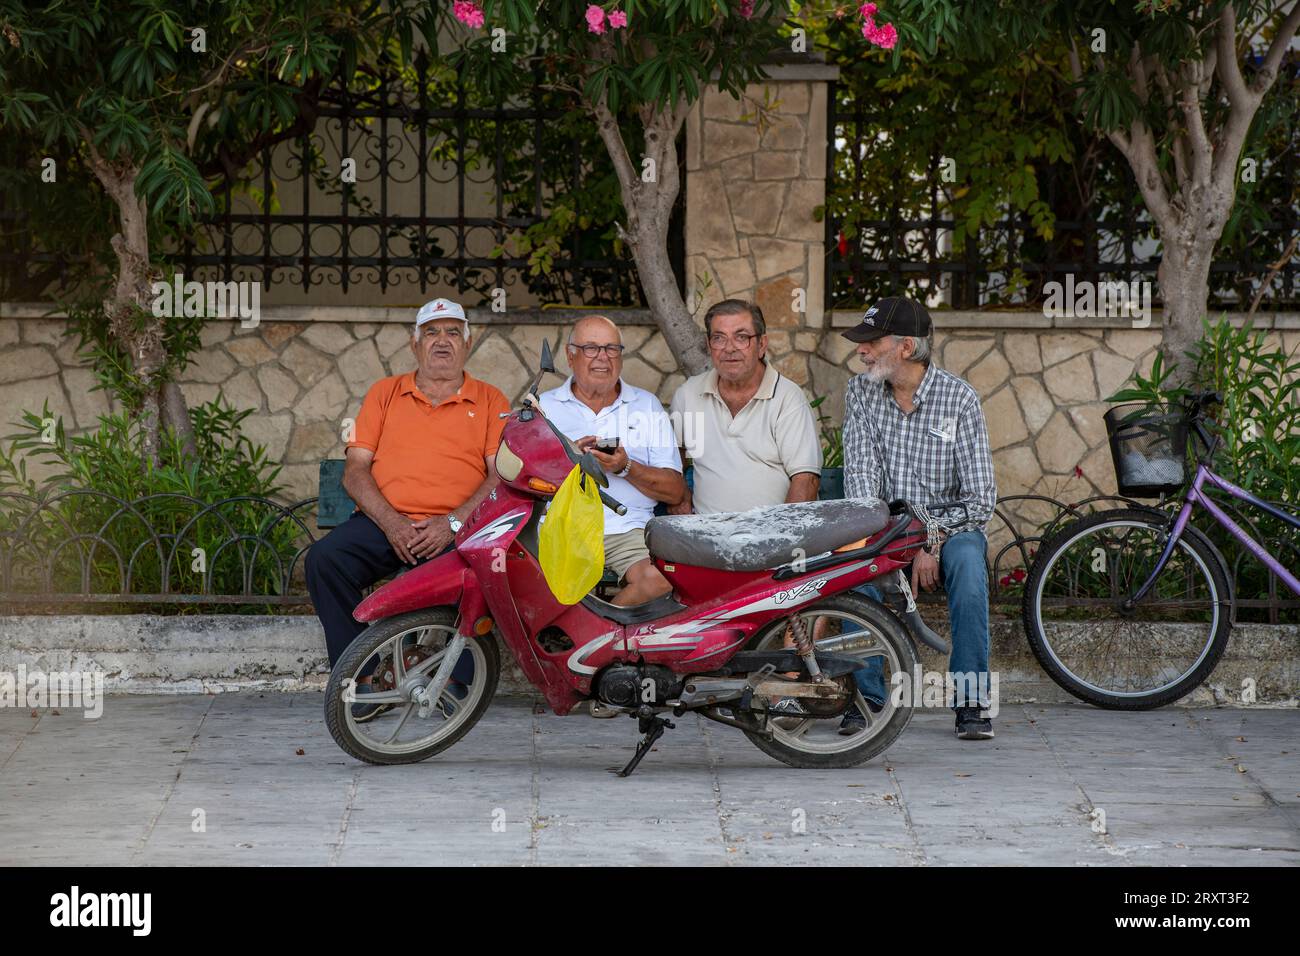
<point x="753" y="187"/>
<point x="302" y="380"/>
<point x="1042" y="389"/>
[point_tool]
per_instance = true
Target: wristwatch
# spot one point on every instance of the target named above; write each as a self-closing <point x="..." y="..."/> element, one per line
<point x="626" y="469"/>
<point x="456" y="523"/>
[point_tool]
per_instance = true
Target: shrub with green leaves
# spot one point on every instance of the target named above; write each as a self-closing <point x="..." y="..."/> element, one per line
<point x="832" y="435"/>
<point x="1258" y="427"/>
<point x="108" y="521"/>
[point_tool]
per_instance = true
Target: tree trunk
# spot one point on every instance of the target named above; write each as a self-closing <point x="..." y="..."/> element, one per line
<point x="649" y="205"/>
<point x="685" y="341"/>
<point x="176" y="416"/>
<point x="131" y="321"/>
<point x="1184" y="277"/>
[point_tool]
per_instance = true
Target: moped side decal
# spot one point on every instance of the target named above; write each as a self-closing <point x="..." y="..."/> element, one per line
<point x="501" y="526"/>
<point x="790" y="597"/>
<point x="580" y="654"/>
<point x="804" y="592"/>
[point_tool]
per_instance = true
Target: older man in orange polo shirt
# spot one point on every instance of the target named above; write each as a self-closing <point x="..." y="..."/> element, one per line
<point x="422" y="458"/>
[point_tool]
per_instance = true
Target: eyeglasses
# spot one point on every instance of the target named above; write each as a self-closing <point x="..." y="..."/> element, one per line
<point x="433" y="332"/>
<point x="742" y="340"/>
<point x="591" y="351"/>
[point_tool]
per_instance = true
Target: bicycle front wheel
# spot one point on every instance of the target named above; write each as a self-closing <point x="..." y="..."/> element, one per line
<point x="1087" y="643"/>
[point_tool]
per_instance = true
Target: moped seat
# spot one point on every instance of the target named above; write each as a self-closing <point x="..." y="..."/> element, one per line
<point x="764" y="537"/>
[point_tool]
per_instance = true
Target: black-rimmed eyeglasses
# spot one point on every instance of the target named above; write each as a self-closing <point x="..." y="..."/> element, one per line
<point x="591" y="351"/>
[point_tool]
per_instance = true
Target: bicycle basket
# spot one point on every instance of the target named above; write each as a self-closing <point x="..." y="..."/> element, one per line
<point x="1148" y="445"/>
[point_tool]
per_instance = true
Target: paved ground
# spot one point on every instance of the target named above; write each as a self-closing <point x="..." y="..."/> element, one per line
<point x="1176" y="786"/>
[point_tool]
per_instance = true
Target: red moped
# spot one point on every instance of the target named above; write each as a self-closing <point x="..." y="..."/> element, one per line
<point x="761" y="612"/>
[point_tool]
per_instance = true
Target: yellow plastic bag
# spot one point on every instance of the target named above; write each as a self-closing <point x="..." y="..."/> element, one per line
<point x="572" y="546"/>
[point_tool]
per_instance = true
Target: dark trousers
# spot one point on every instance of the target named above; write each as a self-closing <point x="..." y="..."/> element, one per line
<point x="340" y="566"/>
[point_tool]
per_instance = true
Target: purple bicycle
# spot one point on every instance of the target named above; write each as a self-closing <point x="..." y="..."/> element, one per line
<point x="1130" y="608"/>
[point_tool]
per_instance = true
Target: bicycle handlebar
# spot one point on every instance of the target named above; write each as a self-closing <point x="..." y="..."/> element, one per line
<point x="1194" y="404"/>
<point x="1196" y="401"/>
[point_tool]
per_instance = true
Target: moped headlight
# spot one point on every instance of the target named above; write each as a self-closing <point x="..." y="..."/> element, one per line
<point x="508" y="463"/>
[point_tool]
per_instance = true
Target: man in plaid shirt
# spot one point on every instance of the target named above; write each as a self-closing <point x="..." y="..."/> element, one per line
<point x="915" y="431"/>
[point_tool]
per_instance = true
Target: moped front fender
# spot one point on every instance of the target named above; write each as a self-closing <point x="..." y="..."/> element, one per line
<point x="436" y="583"/>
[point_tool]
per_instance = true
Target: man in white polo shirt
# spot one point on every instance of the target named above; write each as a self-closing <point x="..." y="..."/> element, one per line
<point x="596" y="406"/>
<point x="748" y="430"/>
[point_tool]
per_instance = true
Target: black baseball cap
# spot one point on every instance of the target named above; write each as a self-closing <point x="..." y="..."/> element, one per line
<point x="892" y="316"/>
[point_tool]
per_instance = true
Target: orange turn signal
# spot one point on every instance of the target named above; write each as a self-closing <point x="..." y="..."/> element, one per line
<point x="538" y="484"/>
<point x="482" y="626"/>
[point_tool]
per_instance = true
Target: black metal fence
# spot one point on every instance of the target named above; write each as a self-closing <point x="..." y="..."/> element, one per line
<point x="437" y="187"/>
<point x="90" y="548"/>
<point x="908" y="247"/>
<point x="442" y="185"/>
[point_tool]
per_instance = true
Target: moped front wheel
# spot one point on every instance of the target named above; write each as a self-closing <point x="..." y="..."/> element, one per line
<point x="851" y="625"/>
<point x="397" y="657"/>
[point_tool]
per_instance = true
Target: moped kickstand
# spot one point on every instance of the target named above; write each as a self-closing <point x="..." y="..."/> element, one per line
<point x="653" y="728"/>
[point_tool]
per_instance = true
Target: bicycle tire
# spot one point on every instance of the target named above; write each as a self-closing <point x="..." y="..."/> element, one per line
<point x="1039" y="644"/>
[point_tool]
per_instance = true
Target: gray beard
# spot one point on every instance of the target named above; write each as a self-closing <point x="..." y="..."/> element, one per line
<point x="879" y="373"/>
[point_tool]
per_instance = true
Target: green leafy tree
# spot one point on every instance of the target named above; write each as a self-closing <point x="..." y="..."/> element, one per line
<point x="158" y="99"/>
<point x="1174" y="85"/>
<point x="649" y="60"/>
<point x="973" y="139"/>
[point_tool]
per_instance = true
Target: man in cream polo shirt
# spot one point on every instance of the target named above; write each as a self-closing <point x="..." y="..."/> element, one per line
<point x="748" y="430"/>
<point x="595" y="404"/>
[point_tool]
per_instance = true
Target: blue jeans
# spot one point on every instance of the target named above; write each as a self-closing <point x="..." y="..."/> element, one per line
<point x="963" y="565"/>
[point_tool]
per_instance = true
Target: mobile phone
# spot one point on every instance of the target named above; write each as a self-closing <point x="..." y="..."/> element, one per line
<point x="607" y="445"/>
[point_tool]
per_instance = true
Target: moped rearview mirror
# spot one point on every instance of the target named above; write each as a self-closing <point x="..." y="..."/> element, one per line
<point x="547" y="364"/>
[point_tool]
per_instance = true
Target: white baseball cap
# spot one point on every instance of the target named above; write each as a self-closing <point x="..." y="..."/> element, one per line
<point x="441" y="309"/>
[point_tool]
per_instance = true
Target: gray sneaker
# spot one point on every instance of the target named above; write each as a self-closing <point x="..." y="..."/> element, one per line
<point x="973" y="725"/>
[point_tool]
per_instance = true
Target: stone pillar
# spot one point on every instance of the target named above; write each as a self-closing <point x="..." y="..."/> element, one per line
<point x="751" y="191"/>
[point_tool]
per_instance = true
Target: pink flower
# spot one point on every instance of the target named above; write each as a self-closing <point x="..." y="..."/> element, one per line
<point x="617" y="19"/>
<point x="884" y="37"/>
<point x="746" y="8"/>
<point x="468" y="13"/>
<point x="595" y="19"/>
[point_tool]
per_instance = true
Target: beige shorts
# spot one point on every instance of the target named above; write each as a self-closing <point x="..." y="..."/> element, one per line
<point x="624" y="550"/>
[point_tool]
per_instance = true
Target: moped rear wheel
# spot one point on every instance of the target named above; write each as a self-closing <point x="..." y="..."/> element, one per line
<point x="861" y="628"/>
<point x="400" y="654"/>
